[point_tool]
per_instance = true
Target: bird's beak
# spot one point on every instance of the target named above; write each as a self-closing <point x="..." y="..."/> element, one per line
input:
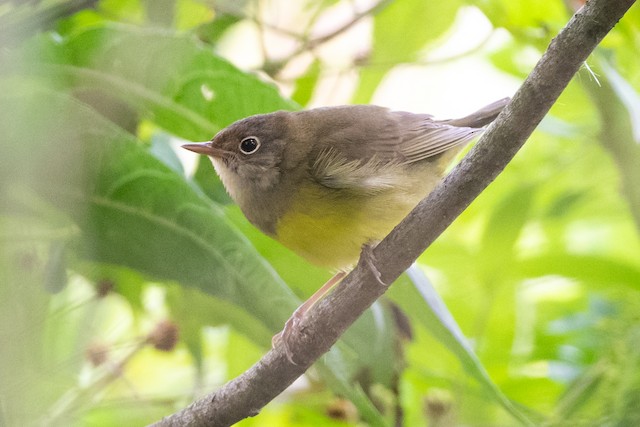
<point x="205" y="148"/>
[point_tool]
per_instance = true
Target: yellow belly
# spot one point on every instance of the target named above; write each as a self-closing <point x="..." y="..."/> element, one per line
<point x="329" y="227"/>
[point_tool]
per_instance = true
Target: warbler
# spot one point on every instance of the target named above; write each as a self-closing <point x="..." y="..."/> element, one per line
<point x="327" y="181"/>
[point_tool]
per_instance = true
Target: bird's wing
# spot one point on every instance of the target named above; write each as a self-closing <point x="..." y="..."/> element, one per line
<point x="335" y="170"/>
<point x="367" y="158"/>
<point x="424" y="137"/>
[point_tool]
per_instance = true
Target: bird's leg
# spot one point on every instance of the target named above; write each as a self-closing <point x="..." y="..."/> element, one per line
<point x="290" y="327"/>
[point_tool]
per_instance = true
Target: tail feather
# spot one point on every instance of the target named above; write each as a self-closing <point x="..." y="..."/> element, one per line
<point x="482" y="117"/>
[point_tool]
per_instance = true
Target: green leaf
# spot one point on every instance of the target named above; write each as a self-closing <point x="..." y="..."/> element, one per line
<point x="32" y="378"/>
<point x="125" y="10"/>
<point x="426" y="20"/>
<point x="209" y="181"/>
<point x="619" y="107"/>
<point x="400" y="31"/>
<point x="212" y="31"/>
<point x="114" y="278"/>
<point x="192" y="308"/>
<point x="593" y="270"/>
<point x="160" y="12"/>
<point x="133" y="210"/>
<point x="306" y="84"/>
<point x="175" y="81"/>
<point x="503" y="228"/>
<point x="626" y="94"/>
<point x="524" y="18"/>
<point x="423" y="303"/>
<point x="330" y="368"/>
<point x="579" y="391"/>
<point x="56" y="268"/>
<point x="162" y="151"/>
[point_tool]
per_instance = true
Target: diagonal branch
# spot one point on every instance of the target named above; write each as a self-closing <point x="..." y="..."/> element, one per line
<point x="328" y="319"/>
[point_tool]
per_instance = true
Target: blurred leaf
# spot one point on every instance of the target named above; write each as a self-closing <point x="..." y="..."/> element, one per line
<point x="423" y="303"/>
<point x="579" y="392"/>
<point x="504" y="226"/>
<point x="124" y="281"/>
<point x="241" y="353"/>
<point x="515" y="57"/>
<point x="160" y="12"/>
<point x="212" y="31"/>
<point x="24" y="319"/>
<point x="627" y="95"/>
<point x="56" y="268"/>
<point x="210" y="183"/>
<point x="536" y="19"/>
<point x="162" y="151"/>
<point x="134" y="211"/>
<point x="306" y="84"/>
<point x="392" y="40"/>
<point x="24" y="21"/>
<point x="592" y="270"/>
<point x="400" y="31"/>
<point x="191" y="309"/>
<point x="135" y="412"/>
<point x="619" y="108"/>
<point x="123" y="10"/>
<point x="563" y="204"/>
<point x="180" y="85"/>
<point x="340" y="383"/>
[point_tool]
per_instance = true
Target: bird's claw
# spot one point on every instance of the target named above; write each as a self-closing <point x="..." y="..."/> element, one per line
<point x="283" y="337"/>
<point x="370" y="259"/>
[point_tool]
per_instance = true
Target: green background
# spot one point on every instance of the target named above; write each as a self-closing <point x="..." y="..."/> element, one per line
<point x="131" y="285"/>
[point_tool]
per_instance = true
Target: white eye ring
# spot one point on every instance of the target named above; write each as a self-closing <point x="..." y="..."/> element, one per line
<point x="250" y="145"/>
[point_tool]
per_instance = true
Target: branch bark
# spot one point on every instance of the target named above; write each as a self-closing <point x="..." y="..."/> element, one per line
<point x="328" y="319"/>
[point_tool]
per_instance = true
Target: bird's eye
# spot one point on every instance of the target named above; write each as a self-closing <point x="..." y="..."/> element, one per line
<point x="249" y="145"/>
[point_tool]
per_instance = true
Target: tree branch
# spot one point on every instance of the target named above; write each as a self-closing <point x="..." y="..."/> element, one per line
<point x="328" y="319"/>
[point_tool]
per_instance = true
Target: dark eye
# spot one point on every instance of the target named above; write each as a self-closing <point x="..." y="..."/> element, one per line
<point x="249" y="145"/>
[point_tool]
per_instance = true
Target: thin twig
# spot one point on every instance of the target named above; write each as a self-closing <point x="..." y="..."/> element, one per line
<point x="372" y="10"/>
<point x="337" y="71"/>
<point x="307" y="45"/>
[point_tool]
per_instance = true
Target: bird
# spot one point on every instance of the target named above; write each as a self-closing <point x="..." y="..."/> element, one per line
<point x="328" y="181"/>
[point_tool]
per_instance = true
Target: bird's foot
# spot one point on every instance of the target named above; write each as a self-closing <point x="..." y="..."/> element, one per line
<point x="370" y="259"/>
<point x="291" y="327"/>
<point x="287" y="334"/>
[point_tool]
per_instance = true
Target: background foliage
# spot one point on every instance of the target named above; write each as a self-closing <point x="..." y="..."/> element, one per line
<point x="131" y="285"/>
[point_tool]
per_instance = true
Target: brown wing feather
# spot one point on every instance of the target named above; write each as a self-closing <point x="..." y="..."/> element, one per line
<point x="424" y="137"/>
<point x="367" y="142"/>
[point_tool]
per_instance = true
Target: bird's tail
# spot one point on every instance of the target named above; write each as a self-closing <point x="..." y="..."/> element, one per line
<point x="482" y="117"/>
